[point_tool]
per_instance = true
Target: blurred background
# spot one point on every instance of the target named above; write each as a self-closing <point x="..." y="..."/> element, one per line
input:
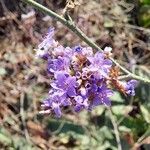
<point x="123" y="25"/>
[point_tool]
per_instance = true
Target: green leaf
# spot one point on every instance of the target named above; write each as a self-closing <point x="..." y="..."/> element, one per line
<point x="4" y="139"/>
<point x="124" y="129"/>
<point x="21" y="143"/>
<point x="53" y="125"/>
<point x="146" y="113"/>
<point x="143" y="93"/>
<point x="105" y="132"/>
<point x="145" y="2"/>
<point x="121" y="109"/>
<point x="138" y="126"/>
<point x="117" y="97"/>
<point x="144" y="16"/>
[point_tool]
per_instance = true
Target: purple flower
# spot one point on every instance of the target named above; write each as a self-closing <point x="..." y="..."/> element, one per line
<point x="79" y="78"/>
<point x="104" y="94"/>
<point x="56" y="100"/>
<point x="65" y="82"/>
<point x="59" y="64"/>
<point x="99" y="95"/>
<point x="61" y="51"/>
<point x="53" y="103"/>
<point x="47" y="43"/>
<point x="130" y="86"/>
<point x="86" y="51"/>
<point x="99" y="64"/>
<point x="81" y="103"/>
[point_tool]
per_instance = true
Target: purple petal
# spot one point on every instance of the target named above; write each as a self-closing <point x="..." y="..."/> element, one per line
<point x="78" y="99"/>
<point x="47" y="41"/>
<point x="60" y="79"/>
<point x="54" y="85"/>
<point x="109" y="93"/>
<point x="71" y="92"/>
<point x="71" y="81"/>
<point x="46" y="103"/>
<point x="66" y="102"/>
<point x="94" y="87"/>
<point x="57" y="110"/>
<point x="96" y="101"/>
<point x="106" y="101"/>
<point x="78" y="49"/>
<point x="130" y="86"/>
<point x="78" y="108"/>
<point x="133" y="83"/>
<point x="99" y="56"/>
<point x="107" y="63"/>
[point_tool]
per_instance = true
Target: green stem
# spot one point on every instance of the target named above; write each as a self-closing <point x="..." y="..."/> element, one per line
<point x="80" y="34"/>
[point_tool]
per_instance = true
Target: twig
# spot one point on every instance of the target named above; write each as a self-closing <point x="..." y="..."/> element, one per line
<point x="59" y="128"/>
<point x="115" y="129"/>
<point x="123" y="77"/>
<point x="79" y="33"/>
<point x="23" y="117"/>
<point x="137" y="28"/>
<point x="141" y="139"/>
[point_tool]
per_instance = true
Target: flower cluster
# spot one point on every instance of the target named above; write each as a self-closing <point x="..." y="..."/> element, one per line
<point x="79" y="77"/>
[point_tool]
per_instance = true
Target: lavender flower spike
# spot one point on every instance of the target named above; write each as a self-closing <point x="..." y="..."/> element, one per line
<point x="79" y="78"/>
<point x="130" y="86"/>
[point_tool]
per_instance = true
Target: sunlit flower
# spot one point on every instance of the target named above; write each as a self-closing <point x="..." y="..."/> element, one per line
<point x="80" y="78"/>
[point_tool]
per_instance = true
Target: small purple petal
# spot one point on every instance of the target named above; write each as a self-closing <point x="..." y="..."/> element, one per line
<point x="71" y="92"/>
<point x="56" y="109"/>
<point x="106" y="101"/>
<point x="130" y="86"/>
<point x="96" y="101"/>
<point x="78" y="49"/>
<point x="78" y="108"/>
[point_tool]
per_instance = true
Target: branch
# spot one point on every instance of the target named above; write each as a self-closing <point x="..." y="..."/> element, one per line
<point x="70" y="24"/>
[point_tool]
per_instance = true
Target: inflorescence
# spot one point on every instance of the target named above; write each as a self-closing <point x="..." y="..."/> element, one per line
<point x="79" y="77"/>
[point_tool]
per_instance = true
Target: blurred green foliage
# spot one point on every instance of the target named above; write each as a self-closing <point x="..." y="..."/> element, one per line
<point x="145" y="2"/>
<point x="133" y="122"/>
<point x="144" y="13"/>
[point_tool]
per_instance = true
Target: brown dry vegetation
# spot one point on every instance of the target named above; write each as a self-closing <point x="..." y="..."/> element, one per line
<point x="23" y="80"/>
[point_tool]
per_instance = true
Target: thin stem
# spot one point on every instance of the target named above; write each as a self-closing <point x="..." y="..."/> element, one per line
<point x="116" y="131"/>
<point x="70" y="24"/>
